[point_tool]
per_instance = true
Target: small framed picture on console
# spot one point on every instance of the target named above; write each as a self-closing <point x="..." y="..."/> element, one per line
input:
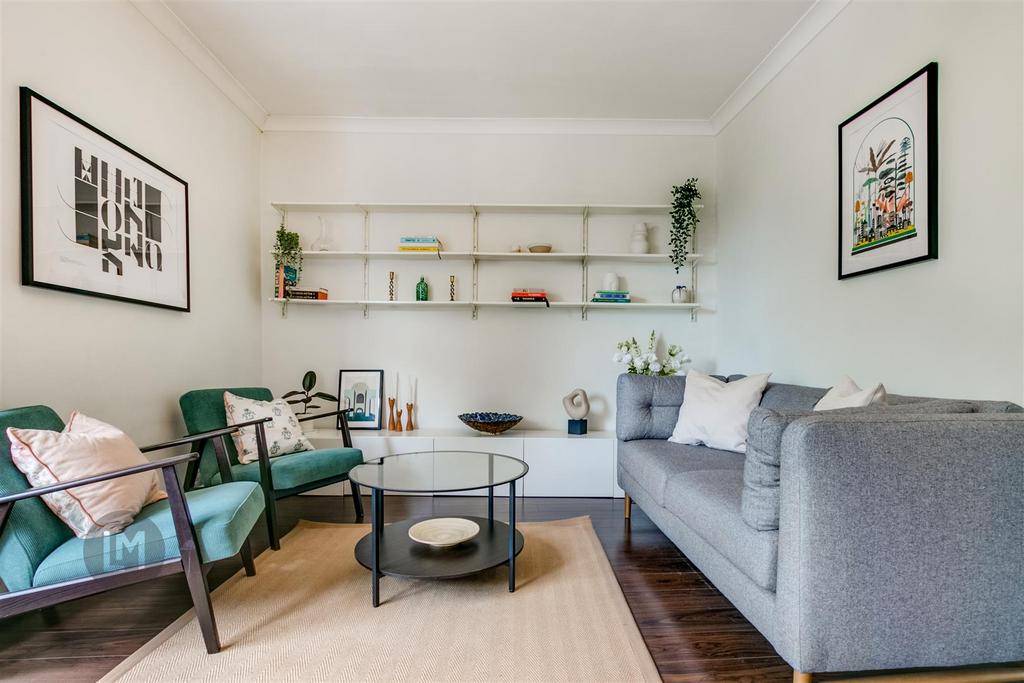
<point x="362" y="391"/>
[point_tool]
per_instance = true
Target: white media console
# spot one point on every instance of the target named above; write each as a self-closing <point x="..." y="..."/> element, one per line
<point x="561" y="465"/>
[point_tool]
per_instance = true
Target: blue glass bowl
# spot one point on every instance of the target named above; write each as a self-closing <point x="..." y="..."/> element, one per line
<point x="491" y="423"/>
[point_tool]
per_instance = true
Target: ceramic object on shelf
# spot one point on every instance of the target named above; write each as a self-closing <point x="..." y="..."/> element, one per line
<point x="444" y="532"/>
<point x="490" y="423"/>
<point x="639" y="243"/>
<point x="422" y="291"/>
<point x="611" y="282"/>
<point x="680" y="295"/>
<point x="323" y="242"/>
<point x="540" y="248"/>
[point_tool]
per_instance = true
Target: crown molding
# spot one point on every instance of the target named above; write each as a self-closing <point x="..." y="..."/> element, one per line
<point x="487" y="126"/>
<point x="167" y="22"/>
<point x="814" y="20"/>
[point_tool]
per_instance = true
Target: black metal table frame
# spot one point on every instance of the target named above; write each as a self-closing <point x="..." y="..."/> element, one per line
<point x="377" y="521"/>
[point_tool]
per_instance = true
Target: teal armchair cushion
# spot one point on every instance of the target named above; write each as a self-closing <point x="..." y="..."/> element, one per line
<point x="297" y="469"/>
<point x="203" y="410"/>
<point x="32" y="532"/>
<point x="222" y="516"/>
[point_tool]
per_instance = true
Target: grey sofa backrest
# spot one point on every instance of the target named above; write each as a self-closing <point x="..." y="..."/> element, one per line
<point x="648" y="407"/>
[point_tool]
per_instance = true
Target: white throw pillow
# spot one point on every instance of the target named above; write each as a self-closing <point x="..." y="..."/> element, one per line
<point x="85" y="448"/>
<point x="846" y="394"/>
<point x="284" y="435"/>
<point x="715" y="413"/>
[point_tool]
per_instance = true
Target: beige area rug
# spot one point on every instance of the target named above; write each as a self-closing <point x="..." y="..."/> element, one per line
<point x="306" y="616"/>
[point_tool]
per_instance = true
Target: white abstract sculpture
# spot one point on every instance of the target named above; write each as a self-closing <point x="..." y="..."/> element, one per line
<point x="576" y="404"/>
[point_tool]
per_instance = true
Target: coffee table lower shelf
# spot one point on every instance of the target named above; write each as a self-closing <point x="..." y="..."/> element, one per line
<point x="404" y="557"/>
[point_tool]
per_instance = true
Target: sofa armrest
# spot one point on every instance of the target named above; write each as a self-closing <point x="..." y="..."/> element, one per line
<point x="901" y="541"/>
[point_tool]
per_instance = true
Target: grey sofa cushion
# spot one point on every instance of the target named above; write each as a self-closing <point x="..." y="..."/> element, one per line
<point x="760" y="504"/>
<point x="652" y="462"/>
<point x="791" y="397"/>
<point x="647" y="407"/>
<point x="708" y="501"/>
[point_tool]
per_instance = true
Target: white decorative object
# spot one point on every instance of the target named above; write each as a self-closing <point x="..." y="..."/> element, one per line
<point x="576" y="404"/>
<point x="323" y="242"/>
<point x="283" y="432"/>
<point x="715" y="413"/>
<point x="443" y="532"/>
<point x="611" y="282"/>
<point x="639" y="244"/>
<point x="680" y="295"/>
<point x="846" y="394"/>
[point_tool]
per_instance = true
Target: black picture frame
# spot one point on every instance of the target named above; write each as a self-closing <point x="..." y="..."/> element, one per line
<point x="354" y="419"/>
<point x="931" y="73"/>
<point x="29" y="275"/>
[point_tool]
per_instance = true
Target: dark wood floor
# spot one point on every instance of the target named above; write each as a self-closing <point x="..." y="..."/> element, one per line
<point x="692" y="631"/>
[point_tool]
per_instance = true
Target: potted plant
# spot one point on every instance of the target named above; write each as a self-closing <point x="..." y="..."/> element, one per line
<point x="287" y="253"/>
<point x="307" y="394"/>
<point x="684" y="221"/>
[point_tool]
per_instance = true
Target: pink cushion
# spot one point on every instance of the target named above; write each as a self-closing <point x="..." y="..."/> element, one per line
<point x="87" y="447"/>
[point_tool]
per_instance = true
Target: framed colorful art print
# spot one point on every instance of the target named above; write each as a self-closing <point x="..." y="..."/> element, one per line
<point x="97" y="217"/>
<point x="362" y="391"/>
<point x="888" y="179"/>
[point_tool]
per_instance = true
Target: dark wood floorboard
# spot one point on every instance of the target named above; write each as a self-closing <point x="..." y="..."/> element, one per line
<point x="692" y="631"/>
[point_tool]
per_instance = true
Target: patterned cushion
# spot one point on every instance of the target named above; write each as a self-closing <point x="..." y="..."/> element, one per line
<point x="284" y="435"/>
<point x="86" y="447"/>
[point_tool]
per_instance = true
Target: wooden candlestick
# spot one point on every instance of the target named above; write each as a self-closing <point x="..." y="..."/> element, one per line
<point x="398" y="421"/>
<point x="391" y="414"/>
<point x="408" y="417"/>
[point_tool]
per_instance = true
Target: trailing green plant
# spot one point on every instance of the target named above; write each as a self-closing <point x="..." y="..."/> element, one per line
<point x="307" y="393"/>
<point x="287" y="249"/>
<point x="684" y="221"/>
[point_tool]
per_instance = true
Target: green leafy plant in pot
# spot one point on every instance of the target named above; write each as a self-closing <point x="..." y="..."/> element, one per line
<point x="307" y="394"/>
<point x="287" y="252"/>
<point x="684" y="221"/>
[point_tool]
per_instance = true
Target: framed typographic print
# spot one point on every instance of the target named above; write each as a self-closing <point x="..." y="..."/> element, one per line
<point x="97" y="217"/>
<point x="888" y="179"/>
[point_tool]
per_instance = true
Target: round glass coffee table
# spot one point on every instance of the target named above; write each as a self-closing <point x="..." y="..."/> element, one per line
<point x="388" y="550"/>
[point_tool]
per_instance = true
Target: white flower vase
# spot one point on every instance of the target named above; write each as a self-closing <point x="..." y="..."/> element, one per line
<point x="639" y="243"/>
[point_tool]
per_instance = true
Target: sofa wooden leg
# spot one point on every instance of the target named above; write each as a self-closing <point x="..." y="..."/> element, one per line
<point x="627" y="506"/>
<point x="801" y="677"/>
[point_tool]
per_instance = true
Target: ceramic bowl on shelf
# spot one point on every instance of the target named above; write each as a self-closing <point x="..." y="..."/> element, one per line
<point x="540" y="248"/>
<point x="491" y="423"/>
<point x="443" y="532"/>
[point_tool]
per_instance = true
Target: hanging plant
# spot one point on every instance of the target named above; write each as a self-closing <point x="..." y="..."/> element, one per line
<point x="287" y="252"/>
<point x="684" y="221"/>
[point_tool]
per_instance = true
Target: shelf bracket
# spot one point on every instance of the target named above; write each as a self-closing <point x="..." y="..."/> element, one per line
<point x="475" y="309"/>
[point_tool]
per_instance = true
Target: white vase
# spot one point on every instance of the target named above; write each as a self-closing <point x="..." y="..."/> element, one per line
<point x="322" y="243"/>
<point x="680" y="295"/>
<point x="639" y="245"/>
<point x="611" y="282"/>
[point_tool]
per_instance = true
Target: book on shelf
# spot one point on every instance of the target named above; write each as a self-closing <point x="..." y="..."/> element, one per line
<point x="427" y="239"/>
<point x="529" y="292"/>
<point x="419" y="248"/>
<point x="284" y="277"/>
<point x="307" y="294"/>
<point x="605" y="300"/>
<point x="612" y="293"/>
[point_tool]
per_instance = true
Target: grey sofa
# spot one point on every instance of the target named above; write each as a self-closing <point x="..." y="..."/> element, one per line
<point x="900" y="531"/>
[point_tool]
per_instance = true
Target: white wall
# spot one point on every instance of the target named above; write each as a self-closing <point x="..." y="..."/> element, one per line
<point x="951" y="327"/>
<point x="121" y="362"/>
<point x="516" y="361"/>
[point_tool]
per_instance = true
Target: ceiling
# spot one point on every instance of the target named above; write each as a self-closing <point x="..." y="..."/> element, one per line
<point x="588" y="59"/>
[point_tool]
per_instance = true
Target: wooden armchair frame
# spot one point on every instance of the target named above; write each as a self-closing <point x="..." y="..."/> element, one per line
<point x="266" y="477"/>
<point x="189" y="561"/>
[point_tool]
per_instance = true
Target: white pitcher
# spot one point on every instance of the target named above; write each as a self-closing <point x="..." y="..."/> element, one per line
<point x="639" y="245"/>
<point x="611" y="282"/>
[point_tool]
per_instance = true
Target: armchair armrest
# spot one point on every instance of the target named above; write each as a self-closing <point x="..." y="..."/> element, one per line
<point x="900" y="541"/>
<point x="346" y="435"/>
<point x="106" y="476"/>
<point x="202" y="436"/>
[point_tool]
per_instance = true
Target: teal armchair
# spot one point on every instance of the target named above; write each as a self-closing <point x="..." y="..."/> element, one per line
<point x="42" y="563"/>
<point x="280" y="476"/>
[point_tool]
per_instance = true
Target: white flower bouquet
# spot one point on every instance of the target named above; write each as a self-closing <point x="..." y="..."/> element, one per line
<point x="640" y="362"/>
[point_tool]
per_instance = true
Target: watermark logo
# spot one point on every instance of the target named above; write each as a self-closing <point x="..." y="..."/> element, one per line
<point x="139" y="544"/>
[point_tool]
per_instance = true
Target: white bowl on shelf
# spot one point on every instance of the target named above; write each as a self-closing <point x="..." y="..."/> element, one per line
<point x="443" y="532"/>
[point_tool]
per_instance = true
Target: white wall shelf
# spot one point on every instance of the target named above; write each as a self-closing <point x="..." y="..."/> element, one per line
<point x="580" y="260"/>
